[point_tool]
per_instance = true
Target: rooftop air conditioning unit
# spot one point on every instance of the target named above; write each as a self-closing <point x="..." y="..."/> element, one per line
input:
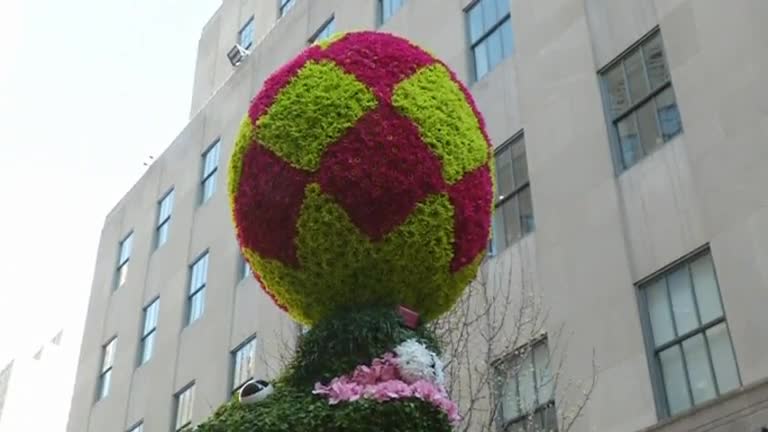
<point x="237" y="54"/>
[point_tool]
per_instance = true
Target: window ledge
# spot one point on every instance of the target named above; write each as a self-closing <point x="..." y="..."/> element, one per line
<point x="485" y="79"/>
<point x="728" y="408"/>
<point x="654" y="154"/>
<point x="491" y="254"/>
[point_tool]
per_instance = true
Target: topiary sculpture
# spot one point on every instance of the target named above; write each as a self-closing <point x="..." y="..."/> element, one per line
<point x="361" y="191"/>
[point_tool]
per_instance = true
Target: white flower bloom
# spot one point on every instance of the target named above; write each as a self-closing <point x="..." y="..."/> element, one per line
<point x="415" y="362"/>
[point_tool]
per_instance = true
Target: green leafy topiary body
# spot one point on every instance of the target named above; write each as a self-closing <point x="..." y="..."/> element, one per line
<point x="334" y="347"/>
<point x="360" y="182"/>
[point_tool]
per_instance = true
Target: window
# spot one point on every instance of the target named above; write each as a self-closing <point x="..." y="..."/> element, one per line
<point x="197" y="288"/>
<point x="325" y="31"/>
<point x="245" y="268"/>
<point x="640" y="101"/>
<point x="525" y="389"/>
<point x="490" y="34"/>
<point x="165" y="207"/>
<point x="107" y="361"/>
<point x="185" y="402"/>
<point x="210" y="168"/>
<point x="692" y="353"/>
<point x="149" y="332"/>
<point x="285" y="6"/>
<point x="513" y="216"/>
<point x="245" y="36"/>
<point x="122" y="262"/>
<point x="387" y="8"/>
<point x="137" y="428"/>
<point x="245" y="364"/>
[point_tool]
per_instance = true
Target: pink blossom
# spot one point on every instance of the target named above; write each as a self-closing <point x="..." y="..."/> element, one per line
<point x="392" y="389"/>
<point x="382" y="382"/>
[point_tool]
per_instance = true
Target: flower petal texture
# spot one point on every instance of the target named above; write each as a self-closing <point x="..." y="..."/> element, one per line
<point x="361" y="176"/>
<point x="447" y="123"/>
<point x="323" y="119"/>
<point x="384" y="381"/>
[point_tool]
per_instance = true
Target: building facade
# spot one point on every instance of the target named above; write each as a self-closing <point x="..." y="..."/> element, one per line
<point x="5" y="380"/>
<point x="36" y="389"/>
<point x="631" y="151"/>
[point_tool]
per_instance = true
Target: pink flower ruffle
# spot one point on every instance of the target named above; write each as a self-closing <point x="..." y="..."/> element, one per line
<point x="381" y="381"/>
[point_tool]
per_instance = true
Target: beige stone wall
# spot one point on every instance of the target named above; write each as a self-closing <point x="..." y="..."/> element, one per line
<point x="597" y="234"/>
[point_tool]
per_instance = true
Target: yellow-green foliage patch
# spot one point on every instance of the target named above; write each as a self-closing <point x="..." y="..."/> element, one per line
<point x="339" y="267"/>
<point x="444" y="118"/>
<point x="313" y="111"/>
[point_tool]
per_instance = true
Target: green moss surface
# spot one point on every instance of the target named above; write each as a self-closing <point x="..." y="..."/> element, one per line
<point x="334" y="347"/>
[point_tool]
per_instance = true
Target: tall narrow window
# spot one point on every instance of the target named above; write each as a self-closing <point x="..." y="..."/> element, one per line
<point x="185" y="403"/>
<point x="285" y="6"/>
<point x="245" y="36"/>
<point x="640" y="101"/>
<point x="165" y="208"/>
<point x="387" y="8"/>
<point x="513" y="216"/>
<point x="149" y="331"/>
<point x="325" y="31"/>
<point x="197" y="283"/>
<point x="490" y="34"/>
<point x="244" y="359"/>
<point x="107" y="361"/>
<point x="210" y="169"/>
<point x="525" y="391"/>
<point x="245" y="268"/>
<point x="692" y="352"/>
<point x="122" y="262"/>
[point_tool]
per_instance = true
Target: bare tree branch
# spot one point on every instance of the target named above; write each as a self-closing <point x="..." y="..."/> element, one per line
<point x="489" y="337"/>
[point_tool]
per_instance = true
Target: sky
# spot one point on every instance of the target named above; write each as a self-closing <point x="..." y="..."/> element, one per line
<point x="88" y="90"/>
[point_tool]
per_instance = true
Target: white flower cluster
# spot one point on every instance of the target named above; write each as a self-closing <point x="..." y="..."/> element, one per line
<point x="416" y="362"/>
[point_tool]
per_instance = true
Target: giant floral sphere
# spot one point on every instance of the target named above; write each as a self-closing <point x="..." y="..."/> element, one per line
<point x="362" y="176"/>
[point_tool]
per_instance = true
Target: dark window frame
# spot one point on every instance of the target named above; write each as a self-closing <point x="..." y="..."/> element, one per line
<point x="500" y="367"/>
<point x="235" y="386"/>
<point x="381" y="17"/>
<point x="105" y="370"/>
<point x="244" y="269"/>
<point x="121" y="263"/>
<point x="515" y="193"/>
<point x="193" y="292"/>
<point x="147" y="333"/>
<point x="163" y="222"/>
<point x="212" y="174"/>
<point x="658" y="382"/>
<point x="137" y="427"/>
<point x="249" y="22"/>
<point x="284" y="6"/>
<point x="482" y="38"/>
<point x="177" y="404"/>
<point x="326" y="24"/>
<point x="635" y="106"/>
